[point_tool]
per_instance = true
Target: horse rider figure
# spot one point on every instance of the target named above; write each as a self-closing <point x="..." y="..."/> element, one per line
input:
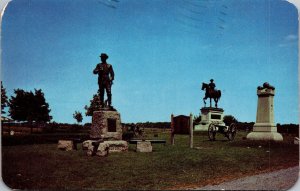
<point x="212" y="86"/>
<point x="211" y="92"/>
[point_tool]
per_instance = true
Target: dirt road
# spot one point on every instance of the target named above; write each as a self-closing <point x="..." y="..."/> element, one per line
<point x="279" y="180"/>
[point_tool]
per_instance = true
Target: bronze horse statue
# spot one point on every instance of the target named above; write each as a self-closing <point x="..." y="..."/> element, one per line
<point x="210" y="93"/>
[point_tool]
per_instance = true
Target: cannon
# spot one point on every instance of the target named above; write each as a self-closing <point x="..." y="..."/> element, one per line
<point x="227" y="131"/>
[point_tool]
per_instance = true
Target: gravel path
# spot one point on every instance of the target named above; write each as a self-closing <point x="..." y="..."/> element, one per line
<point x="279" y="180"/>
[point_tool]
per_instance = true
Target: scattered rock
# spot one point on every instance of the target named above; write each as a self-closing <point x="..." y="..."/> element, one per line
<point x="103" y="149"/>
<point x="296" y="141"/>
<point x="11" y="133"/>
<point x="117" y="146"/>
<point x="66" y="145"/>
<point x="92" y="146"/>
<point x="86" y="144"/>
<point x="90" y="151"/>
<point x="198" y="148"/>
<point x="144" y="146"/>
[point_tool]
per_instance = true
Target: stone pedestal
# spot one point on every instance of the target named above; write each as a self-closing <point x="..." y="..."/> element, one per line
<point x="106" y="134"/>
<point x="209" y="115"/>
<point x="265" y="128"/>
<point x="106" y="125"/>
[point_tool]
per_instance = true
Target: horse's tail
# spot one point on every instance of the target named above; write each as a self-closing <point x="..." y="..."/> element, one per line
<point x="219" y="94"/>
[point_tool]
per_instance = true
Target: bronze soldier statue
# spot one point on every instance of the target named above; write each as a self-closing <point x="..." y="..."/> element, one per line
<point x="105" y="79"/>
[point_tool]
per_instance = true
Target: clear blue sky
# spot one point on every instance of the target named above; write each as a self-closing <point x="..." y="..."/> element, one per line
<point x="161" y="51"/>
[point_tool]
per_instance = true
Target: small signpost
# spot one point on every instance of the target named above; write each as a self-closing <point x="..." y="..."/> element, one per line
<point x="182" y="124"/>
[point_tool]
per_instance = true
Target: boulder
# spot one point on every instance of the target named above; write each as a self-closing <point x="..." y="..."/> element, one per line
<point x="117" y="146"/>
<point x="90" y="150"/>
<point x="102" y="150"/>
<point x="144" y="146"/>
<point x="86" y="144"/>
<point x="66" y="145"/>
<point x="296" y="141"/>
<point x="99" y="148"/>
<point x="91" y="146"/>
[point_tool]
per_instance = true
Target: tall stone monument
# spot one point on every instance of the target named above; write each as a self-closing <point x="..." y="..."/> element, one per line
<point x="106" y="122"/>
<point x="106" y="130"/>
<point x="265" y="128"/>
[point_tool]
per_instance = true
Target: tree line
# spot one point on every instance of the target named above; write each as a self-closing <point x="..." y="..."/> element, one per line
<point x="32" y="106"/>
<point x="26" y="105"/>
<point x="29" y="106"/>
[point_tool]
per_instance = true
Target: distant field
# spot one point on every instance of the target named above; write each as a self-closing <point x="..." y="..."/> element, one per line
<point x="41" y="166"/>
<point x="20" y="130"/>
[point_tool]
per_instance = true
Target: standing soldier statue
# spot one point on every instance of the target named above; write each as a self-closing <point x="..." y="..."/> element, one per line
<point x="105" y="80"/>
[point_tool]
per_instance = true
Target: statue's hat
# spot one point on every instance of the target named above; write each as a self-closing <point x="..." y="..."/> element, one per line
<point x="211" y="80"/>
<point x="104" y="55"/>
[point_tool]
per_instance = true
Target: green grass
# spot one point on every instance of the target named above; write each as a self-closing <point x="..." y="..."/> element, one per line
<point x="167" y="167"/>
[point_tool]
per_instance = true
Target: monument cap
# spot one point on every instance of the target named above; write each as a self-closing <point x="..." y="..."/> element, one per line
<point x="104" y="55"/>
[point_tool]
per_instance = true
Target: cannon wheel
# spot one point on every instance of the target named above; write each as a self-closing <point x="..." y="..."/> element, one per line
<point x="231" y="132"/>
<point x="211" y="132"/>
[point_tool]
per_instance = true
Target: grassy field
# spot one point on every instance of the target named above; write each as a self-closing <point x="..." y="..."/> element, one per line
<point x="167" y="167"/>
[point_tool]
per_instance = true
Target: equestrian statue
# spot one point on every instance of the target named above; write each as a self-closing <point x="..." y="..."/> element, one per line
<point x="211" y="93"/>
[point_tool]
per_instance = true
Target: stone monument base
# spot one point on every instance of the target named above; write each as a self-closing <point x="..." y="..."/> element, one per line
<point x="106" y="125"/>
<point x="265" y="131"/>
<point x="209" y="115"/>
<point x="265" y="136"/>
<point x="264" y="127"/>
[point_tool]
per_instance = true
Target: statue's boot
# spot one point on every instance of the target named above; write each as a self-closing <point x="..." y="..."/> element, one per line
<point x="109" y="100"/>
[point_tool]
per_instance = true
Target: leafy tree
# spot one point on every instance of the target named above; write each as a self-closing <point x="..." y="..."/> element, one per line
<point x="94" y="105"/>
<point x="4" y="100"/>
<point x="41" y="107"/>
<point x="29" y="106"/>
<point x="78" y="116"/>
<point x="228" y="119"/>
